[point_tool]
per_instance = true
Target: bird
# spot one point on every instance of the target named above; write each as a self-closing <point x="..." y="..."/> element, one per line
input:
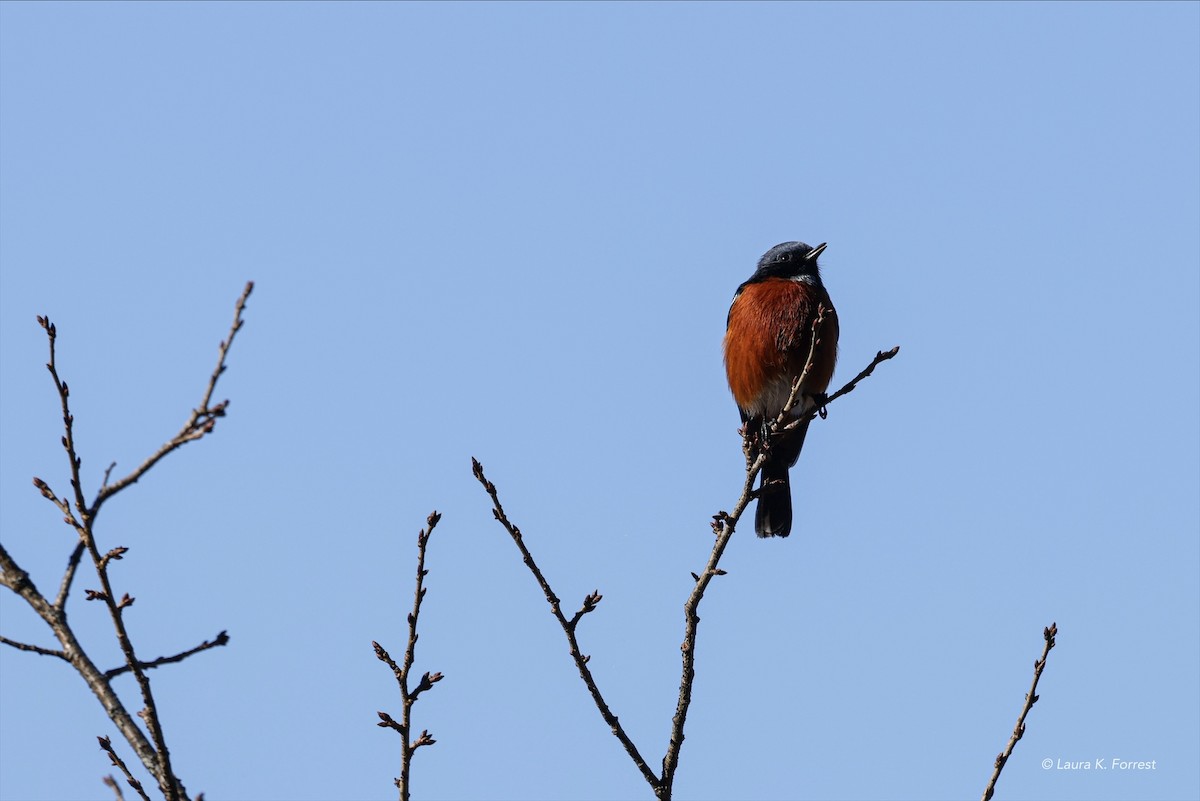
<point x="768" y="339"/>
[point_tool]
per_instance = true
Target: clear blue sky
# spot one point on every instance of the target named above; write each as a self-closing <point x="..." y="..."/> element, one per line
<point x="513" y="231"/>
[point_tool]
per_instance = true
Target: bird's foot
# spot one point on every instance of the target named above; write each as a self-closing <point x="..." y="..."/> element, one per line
<point x="820" y="401"/>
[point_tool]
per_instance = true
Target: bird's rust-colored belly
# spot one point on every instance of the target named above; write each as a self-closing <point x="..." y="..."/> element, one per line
<point x="768" y="342"/>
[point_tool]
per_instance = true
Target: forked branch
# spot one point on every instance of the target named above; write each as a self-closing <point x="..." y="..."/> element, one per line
<point x="81" y="517"/>
<point x="724" y="524"/>
<point x="201" y="421"/>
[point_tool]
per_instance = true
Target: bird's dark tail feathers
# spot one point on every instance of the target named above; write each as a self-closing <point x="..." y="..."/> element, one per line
<point x="774" y="515"/>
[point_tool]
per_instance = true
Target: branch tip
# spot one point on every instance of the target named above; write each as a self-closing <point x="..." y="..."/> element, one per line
<point x="1031" y="698"/>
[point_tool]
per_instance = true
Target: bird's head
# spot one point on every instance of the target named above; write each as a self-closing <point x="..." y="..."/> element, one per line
<point x="792" y="260"/>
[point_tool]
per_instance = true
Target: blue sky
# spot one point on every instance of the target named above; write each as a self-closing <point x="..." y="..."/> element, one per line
<point x="512" y="232"/>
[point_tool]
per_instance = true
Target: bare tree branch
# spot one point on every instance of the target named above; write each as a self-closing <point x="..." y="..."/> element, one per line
<point x="568" y="627"/>
<point x="107" y="746"/>
<point x="64" y="589"/>
<point x="37" y="649"/>
<point x="81" y="517"/>
<point x="107" y="474"/>
<point x="219" y="640"/>
<point x="724" y="524"/>
<point x="1031" y="698"/>
<point x="880" y="357"/>
<point x="402" y="671"/>
<point x="111" y="783"/>
<point x="16" y="579"/>
<point x="201" y="421"/>
<point x="158" y="762"/>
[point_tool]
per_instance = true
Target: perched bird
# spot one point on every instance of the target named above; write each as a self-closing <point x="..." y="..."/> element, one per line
<point x="768" y="338"/>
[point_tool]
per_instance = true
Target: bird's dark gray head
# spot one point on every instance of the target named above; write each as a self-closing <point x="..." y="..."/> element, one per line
<point x="794" y="260"/>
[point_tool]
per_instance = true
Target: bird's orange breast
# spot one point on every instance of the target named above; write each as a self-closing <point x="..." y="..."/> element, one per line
<point x="768" y="340"/>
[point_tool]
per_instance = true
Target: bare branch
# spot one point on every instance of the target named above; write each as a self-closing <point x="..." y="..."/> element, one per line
<point x="201" y="421"/>
<point x="819" y="409"/>
<point x="403" y="671"/>
<point x="219" y="640"/>
<point x="813" y="340"/>
<point x="589" y="605"/>
<point x="156" y="761"/>
<point x="111" y="783"/>
<point x="724" y="524"/>
<point x="107" y="747"/>
<point x="1031" y="698"/>
<point x="568" y="627"/>
<point x="383" y="656"/>
<point x="116" y="553"/>
<point x="64" y="589"/>
<point x="410" y="650"/>
<point x="68" y="440"/>
<point x="17" y="580"/>
<point x="880" y="357"/>
<point x="37" y="649"/>
<point x="63" y="504"/>
<point x="153" y="751"/>
<point x="388" y="722"/>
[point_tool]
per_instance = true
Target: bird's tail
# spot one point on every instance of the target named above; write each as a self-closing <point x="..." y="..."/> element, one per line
<point x="774" y="515"/>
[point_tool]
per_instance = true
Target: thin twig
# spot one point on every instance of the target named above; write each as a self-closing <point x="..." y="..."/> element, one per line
<point x="813" y="340"/>
<point x="1031" y="698"/>
<point x="219" y="640"/>
<point x="402" y="671"/>
<point x="880" y="357"/>
<point x="68" y="440"/>
<point x="37" y="649"/>
<point x="111" y="783"/>
<point x="107" y="746"/>
<point x="64" y="588"/>
<point x="568" y="627"/>
<point x="201" y="421"/>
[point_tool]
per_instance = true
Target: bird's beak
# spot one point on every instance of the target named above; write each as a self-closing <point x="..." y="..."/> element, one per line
<point x="817" y="251"/>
